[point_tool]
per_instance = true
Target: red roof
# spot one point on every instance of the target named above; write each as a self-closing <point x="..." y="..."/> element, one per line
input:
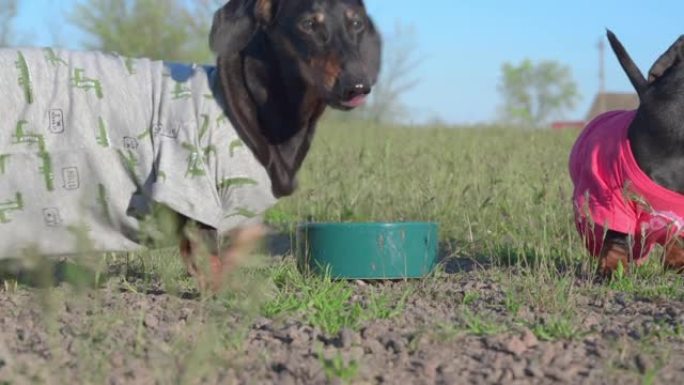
<point x="566" y="124"/>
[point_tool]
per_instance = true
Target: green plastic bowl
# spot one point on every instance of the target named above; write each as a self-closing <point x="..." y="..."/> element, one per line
<point x="369" y="250"/>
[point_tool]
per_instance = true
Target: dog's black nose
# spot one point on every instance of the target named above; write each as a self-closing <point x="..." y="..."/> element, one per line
<point x="356" y="90"/>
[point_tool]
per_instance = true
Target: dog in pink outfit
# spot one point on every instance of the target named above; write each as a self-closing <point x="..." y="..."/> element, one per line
<point x="628" y="169"/>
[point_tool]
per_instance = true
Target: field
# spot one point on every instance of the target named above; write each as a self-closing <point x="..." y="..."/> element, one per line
<point x="513" y="301"/>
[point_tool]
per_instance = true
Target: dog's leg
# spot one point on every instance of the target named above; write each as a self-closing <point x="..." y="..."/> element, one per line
<point x="188" y="256"/>
<point x="242" y="242"/>
<point x="674" y="255"/>
<point x="615" y="252"/>
<point x="199" y="240"/>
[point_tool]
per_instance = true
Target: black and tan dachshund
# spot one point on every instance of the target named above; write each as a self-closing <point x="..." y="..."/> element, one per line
<point x="628" y="169"/>
<point x="281" y="63"/>
<point x="98" y="141"/>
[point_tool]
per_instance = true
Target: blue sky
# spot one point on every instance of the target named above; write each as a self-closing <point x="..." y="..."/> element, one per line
<point x="463" y="43"/>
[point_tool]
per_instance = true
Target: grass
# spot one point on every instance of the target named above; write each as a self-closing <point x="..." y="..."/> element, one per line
<point x="328" y="304"/>
<point x="337" y="368"/>
<point x="322" y="302"/>
<point x="479" y="325"/>
<point x="498" y="192"/>
<point x="501" y="197"/>
<point x="558" y="328"/>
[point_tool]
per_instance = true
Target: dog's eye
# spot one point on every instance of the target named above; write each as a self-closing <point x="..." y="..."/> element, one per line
<point x="307" y="25"/>
<point x="357" y="24"/>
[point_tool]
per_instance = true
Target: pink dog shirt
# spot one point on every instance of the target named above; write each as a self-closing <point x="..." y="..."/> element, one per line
<point x="613" y="193"/>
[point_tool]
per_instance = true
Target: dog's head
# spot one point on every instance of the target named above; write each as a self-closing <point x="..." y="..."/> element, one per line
<point x="662" y="94"/>
<point x="331" y="44"/>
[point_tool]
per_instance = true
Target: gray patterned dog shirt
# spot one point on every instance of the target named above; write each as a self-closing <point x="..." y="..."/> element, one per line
<point x="91" y="142"/>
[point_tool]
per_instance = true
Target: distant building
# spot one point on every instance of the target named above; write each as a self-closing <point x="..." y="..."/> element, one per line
<point x="603" y="101"/>
<point x="567" y="124"/>
<point x="607" y="101"/>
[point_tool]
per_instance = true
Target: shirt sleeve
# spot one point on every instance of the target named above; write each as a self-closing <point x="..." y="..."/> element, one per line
<point x="182" y="182"/>
<point x="182" y="178"/>
<point x="242" y="183"/>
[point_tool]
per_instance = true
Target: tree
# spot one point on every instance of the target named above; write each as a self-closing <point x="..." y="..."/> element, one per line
<point x="399" y="60"/>
<point x="8" y="10"/>
<point x="159" y="29"/>
<point x="534" y="94"/>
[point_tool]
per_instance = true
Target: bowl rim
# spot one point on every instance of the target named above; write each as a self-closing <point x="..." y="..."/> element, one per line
<point x="369" y="224"/>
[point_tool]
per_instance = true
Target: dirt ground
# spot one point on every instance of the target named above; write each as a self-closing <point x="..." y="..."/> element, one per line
<point x="474" y="325"/>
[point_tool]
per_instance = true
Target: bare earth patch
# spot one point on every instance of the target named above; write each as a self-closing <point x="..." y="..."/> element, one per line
<point x="481" y="327"/>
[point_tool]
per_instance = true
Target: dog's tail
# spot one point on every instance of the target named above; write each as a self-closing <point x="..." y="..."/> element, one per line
<point x="633" y="73"/>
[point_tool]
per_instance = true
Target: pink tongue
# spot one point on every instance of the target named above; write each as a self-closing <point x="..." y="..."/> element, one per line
<point x="355" y="101"/>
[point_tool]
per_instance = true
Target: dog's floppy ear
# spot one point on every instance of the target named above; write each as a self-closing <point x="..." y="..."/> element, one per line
<point x="236" y="22"/>
<point x="668" y="59"/>
<point x="371" y="50"/>
<point x="633" y="72"/>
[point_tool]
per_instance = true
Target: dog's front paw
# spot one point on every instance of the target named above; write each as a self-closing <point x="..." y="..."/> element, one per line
<point x="611" y="258"/>
<point x="674" y="256"/>
<point x="243" y="242"/>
